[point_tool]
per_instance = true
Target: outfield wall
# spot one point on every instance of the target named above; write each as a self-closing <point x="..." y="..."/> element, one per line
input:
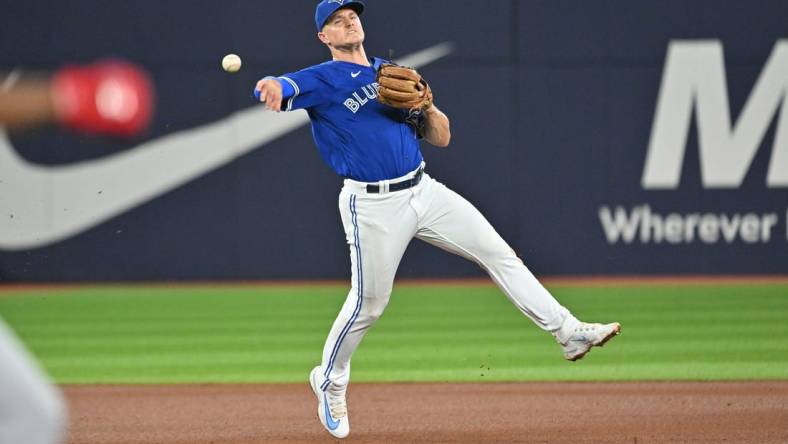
<point x="607" y="137"/>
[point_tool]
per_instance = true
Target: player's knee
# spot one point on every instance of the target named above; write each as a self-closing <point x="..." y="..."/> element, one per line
<point x="373" y="309"/>
<point x="495" y="255"/>
<point x="490" y="251"/>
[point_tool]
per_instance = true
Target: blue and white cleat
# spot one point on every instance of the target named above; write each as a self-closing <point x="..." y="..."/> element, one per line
<point x="585" y="336"/>
<point x="331" y="407"/>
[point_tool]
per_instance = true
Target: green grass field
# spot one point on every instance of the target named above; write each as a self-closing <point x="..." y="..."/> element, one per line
<point x="260" y="334"/>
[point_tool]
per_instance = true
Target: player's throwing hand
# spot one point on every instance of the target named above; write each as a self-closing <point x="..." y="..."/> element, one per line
<point x="269" y="91"/>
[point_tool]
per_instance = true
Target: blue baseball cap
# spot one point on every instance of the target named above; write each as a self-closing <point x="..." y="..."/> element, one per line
<point x="325" y="8"/>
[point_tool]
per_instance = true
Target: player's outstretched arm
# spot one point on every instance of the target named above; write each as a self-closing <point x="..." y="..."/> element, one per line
<point x="269" y="91"/>
<point x="273" y="91"/>
<point x="27" y="105"/>
<point x="437" y="130"/>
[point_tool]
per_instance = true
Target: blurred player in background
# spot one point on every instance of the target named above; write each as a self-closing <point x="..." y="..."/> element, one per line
<point x="367" y="120"/>
<point x="32" y="410"/>
<point x="112" y="98"/>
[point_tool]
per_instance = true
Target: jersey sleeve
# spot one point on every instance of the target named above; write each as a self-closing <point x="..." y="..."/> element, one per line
<point x="309" y="89"/>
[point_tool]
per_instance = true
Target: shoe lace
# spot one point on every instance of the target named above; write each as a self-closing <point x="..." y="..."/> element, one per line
<point x="337" y="406"/>
<point x="585" y="328"/>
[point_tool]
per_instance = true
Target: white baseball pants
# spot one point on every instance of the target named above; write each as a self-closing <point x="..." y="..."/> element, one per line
<point x="32" y="411"/>
<point x="379" y="228"/>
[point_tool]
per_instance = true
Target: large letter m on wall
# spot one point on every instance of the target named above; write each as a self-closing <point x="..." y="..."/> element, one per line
<point x="694" y="78"/>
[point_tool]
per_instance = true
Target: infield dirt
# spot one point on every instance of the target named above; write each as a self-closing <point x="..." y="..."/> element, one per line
<point x="661" y="412"/>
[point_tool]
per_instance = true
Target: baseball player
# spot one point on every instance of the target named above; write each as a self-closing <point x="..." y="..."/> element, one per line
<point x="367" y="120"/>
<point x="109" y="97"/>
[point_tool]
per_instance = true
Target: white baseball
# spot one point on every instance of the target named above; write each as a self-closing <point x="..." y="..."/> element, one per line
<point x="231" y="63"/>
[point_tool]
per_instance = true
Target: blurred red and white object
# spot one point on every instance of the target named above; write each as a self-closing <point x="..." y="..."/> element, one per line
<point x="111" y="97"/>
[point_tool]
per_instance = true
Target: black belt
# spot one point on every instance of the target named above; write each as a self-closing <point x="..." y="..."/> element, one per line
<point x="404" y="185"/>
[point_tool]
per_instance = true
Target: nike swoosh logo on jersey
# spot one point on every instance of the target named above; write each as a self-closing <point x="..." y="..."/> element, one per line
<point x="41" y="205"/>
<point x="355" y="74"/>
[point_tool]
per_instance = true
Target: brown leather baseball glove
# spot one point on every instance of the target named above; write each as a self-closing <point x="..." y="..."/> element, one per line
<point x="403" y="87"/>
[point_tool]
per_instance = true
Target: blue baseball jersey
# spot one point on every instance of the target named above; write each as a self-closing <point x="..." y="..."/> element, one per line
<point x="357" y="136"/>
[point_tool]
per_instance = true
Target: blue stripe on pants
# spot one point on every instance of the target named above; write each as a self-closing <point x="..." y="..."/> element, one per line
<point x="346" y="329"/>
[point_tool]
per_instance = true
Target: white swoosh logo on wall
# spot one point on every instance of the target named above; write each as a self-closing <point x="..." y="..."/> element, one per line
<point x="41" y="205"/>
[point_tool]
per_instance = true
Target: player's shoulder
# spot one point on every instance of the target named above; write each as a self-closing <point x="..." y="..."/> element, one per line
<point x="323" y="71"/>
<point x="314" y="69"/>
<point x="327" y="65"/>
<point x="309" y="75"/>
<point x="334" y="65"/>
